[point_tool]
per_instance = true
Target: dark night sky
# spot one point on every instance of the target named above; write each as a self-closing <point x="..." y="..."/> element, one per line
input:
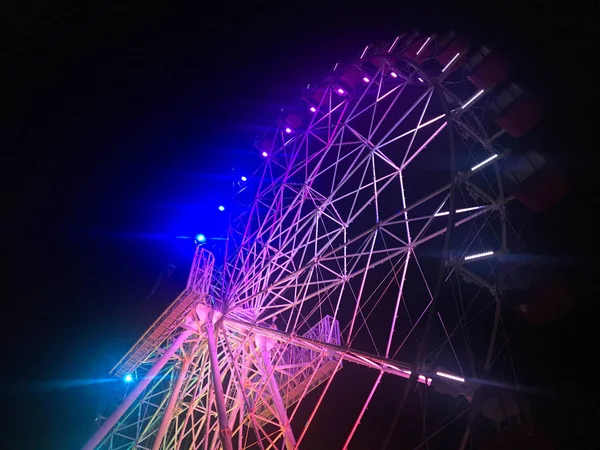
<point x="121" y="122"/>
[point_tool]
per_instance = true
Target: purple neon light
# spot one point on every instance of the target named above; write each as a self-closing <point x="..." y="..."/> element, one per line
<point x="394" y="75"/>
<point x="450" y="63"/>
<point x="313" y="109"/>
<point x="364" y="52"/>
<point x="366" y="80"/>
<point x="340" y="91"/>
<point x="265" y="154"/>
<point x="423" y="46"/>
<point x="393" y="46"/>
<point x="288" y="130"/>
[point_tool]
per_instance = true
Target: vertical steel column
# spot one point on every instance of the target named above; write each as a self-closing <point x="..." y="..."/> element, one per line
<point x="166" y="420"/>
<point x="224" y="430"/>
<point x="288" y="435"/>
<point x="135" y="392"/>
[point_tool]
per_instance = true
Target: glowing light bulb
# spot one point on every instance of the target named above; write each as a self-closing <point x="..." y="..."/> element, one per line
<point x="313" y="109"/>
<point x="221" y="208"/>
<point x="394" y="75"/>
<point x="340" y="91"/>
<point x="288" y="130"/>
<point x="200" y="238"/>
<point x="265" y="154"/>
<point x="128" y="378"/>
<point x="244" y="178"/>
<point x="366" y="80"/>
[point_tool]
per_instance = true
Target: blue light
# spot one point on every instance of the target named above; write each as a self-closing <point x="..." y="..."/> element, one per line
<point x="221" y="208"/>
<point x="200" y="238"/>
<point x="128" y="378"/>
<point x="244" y="178"/>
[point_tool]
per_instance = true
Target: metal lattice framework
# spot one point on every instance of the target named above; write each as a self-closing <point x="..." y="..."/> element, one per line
<point x="333" y="261"/>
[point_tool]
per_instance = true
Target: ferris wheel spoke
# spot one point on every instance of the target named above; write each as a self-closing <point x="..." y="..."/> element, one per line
<point x="398" y="300"/>
<point x="417" y="128"/>
<point x="441" y="428"/>
<point x="412" y="131"/>
<point x="461" y="316"/>
<point x="362" y="411"/>
<point x="461" y="325"/>
<point x="373" y="130"/>
<point x="398" y="122"/>
<point x="430" y="295"/>
<point x="423" y="146"/>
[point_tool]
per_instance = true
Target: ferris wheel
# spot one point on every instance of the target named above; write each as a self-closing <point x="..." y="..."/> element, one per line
<point x="376" y="234"/>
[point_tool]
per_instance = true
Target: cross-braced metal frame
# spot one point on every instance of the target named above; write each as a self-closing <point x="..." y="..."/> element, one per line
<point x="332" y="261"/>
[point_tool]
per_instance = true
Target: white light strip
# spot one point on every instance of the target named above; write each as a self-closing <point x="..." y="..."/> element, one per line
<point x="364" y="51"/>
<point x="450" y="376"/>
<point x="484" y="162"/>
<point x="335" y="67"/>
<point x="472" y="99"/>
<point x="478" y="255"/>
<point x="393" y="46"/>
<point x="461" y="210"/>
<point x="423" y="46"/>
<point x="451" y="61"/>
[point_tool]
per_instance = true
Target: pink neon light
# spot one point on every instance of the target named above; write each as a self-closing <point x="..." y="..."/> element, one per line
<point x="340" y="91"/>
<point x="265" y="154"/>
<point x="420" y="79"/>
<point x="450" y="63"/>
<point x="394" y="75"/>
<point x="288" y="130"/>
<point x="313" y="109"/>
<point x="423" y="46"/>
<point x="364" y="51"/>
<point x="450" y="376"/>
<point x="366" y="80"/>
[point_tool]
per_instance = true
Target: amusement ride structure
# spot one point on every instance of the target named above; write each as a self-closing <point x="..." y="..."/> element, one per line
<point x="377" y="232"/>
